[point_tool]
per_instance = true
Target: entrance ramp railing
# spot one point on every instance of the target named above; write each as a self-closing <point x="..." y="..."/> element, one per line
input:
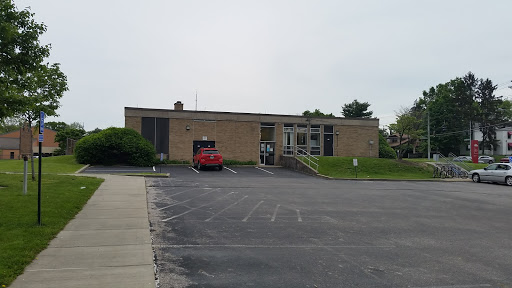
<point x="459" y="163"/>
<point x="308" y="159"/>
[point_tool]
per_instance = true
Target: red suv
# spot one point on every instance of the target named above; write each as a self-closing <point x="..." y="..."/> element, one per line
<point x="207" y="157"/>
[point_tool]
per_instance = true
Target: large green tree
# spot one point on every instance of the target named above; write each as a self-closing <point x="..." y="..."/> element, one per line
<point x="28" y="85"/>
<point x="407" y="128"/>
<point x="316" y="113"/>
<point x="356" y="109"/>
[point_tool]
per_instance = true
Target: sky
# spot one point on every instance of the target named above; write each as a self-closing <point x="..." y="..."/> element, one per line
<point x="272" y="57"/>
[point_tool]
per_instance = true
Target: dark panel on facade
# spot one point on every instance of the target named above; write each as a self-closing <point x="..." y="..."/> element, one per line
<point x="162" y="135"/>
<point x="327" y="129"/>
<point x="202" y="144"/>
<point x="156" y="131"/>
<point x="148" y="129"/>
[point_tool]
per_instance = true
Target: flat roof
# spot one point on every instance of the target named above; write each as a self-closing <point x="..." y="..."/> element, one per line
<point x="240" y="116"/>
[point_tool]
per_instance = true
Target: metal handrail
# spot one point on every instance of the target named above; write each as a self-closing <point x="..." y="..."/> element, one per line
<point x="310" y="158"/>
<point x="454" y="170"/>
<point x="459" y="163"/>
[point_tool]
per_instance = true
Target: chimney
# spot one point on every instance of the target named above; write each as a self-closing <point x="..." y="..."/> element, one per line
<point x="178" y="106"/>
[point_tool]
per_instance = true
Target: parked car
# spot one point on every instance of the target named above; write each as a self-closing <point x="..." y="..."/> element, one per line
<point x="486" y="159"/>
<point x="462" y="159"/>
<point x="497" y="172"/>
<point x="505" y="160"/>
<point x="208" y="157"/>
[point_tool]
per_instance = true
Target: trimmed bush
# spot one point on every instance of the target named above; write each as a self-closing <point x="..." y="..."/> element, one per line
<point x="236" y="162"/>
<point x="385" y="151"/>
<point x="115" y="146"/>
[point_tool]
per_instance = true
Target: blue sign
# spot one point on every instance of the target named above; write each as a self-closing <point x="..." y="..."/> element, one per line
<point x="510" y="159"/>
<point x="41" y="124"/>
<point x="41" y="138"/>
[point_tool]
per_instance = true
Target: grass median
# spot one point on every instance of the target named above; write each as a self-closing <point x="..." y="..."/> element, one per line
<point x="21" y="238"/>
<point x="373" y="168"/>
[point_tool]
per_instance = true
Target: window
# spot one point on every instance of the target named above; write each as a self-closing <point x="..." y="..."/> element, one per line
<point x="302" y="139"/>
<point x="315" y="140"/>
<point x="288" y="139"/>
<point x="267" y="132"/>
<point x="210" y="152"/>
<point x="11" y="155"/>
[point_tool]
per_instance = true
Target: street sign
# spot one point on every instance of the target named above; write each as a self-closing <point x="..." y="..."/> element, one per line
<point x="41" y="138"/>
<point x="355" y="162"/>
<point x="41" y="123"/>
<point x="509" y="159"/>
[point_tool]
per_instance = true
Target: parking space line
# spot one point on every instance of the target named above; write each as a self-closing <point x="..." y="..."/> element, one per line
<point x="253" y="209"/>
<point x="230" y="170"/>
<point x="194" y="169"/>
<point x="275" y="213"/>
<point x="182" y="191"/>
<point x="298" y="216"/>
<point x="213" y="190"/>
<point x="186" y="212"/>
<point x="457" y="286"/>
<point x="264" y="170"/>
<point x="216" y="214"/>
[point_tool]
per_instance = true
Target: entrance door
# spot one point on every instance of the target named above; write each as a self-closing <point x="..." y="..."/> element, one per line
<point x="267" y="153"/>
<point x="328" y="144"/>
<point x="202" y="144"/>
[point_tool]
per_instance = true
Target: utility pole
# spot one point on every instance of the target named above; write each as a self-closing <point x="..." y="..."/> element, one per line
<point x="428" y="133"/>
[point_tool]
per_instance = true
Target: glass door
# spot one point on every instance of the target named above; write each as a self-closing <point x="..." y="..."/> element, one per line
<point x="267" y="153"/>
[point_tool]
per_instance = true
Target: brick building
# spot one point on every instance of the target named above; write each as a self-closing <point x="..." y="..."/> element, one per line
<point x="263" y="138"/>
<point x="14" y="144"/>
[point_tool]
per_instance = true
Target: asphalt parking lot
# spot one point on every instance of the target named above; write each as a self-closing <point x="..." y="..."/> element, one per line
<point x="271" y="227"/>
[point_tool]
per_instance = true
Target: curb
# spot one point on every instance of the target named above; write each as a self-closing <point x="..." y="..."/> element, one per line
<point x="82" y="169"/>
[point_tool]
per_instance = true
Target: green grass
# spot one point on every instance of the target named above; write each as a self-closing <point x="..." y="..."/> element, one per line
<point x="373" y="168"/>
<point x="469" y="164"/>
<point x="21" y="239"/>
<point x="56" y="164"/>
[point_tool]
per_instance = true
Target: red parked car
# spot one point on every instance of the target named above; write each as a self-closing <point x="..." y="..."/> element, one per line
<point x="207" y="157"/>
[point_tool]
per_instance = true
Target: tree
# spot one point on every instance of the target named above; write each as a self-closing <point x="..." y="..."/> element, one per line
<point x="27" y="84"/>
<point x="316" y="113"/>
<point x="406" y="125"/>
<point x="21" y="56"/>
<point x="56" y="126"/>
<point x="489" y="113"/>
<point x="385" y="151"/>
<point x="68" y="133"/>
<point x="356" y="109"/>
<point x="9" y="125"/>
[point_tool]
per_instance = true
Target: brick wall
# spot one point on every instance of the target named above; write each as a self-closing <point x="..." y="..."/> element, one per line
<point x="354" y="141"/>
<point x="134" y="123"/>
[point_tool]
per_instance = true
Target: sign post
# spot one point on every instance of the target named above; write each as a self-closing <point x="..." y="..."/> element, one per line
<point x="354" y="161"/>
<point x="474" y="151"/>
<point x="41" y="138"/>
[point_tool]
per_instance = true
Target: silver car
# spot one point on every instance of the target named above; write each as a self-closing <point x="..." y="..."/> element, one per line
<point x="486" y="159"/>
<point x="497" y="172"/>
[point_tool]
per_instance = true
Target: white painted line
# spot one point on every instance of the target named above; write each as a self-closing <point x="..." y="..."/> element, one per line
<point x="253" y="209"/>
<point x="298" y="216"/>
<point x="275" y="213"/>
<point x="186" y="212"/>
<point x="457" y="286"/>
<point x="284" y="246"/>
<point x="263" y="170"/>
<point x="154" y="169"/>
<point x="230" y="170"/>
<point x="194" y="169"/>
<point x="226" y="208"/>
<point x="181" y="191"/>
<point x="178" y="203"/>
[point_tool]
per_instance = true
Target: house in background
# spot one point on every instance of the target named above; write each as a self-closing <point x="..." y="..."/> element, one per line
<point x="12" y="143"/>
<point x="503" y="142"/>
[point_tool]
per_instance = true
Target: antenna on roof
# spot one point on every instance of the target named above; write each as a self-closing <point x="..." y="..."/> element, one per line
<point x="196" y="99"/>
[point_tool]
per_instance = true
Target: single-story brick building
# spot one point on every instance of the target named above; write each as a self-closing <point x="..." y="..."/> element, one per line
<point x="263" y="138"/>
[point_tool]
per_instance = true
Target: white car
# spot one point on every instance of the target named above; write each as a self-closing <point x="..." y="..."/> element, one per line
<point x="486" y="159"/>
<point x="462" y="159"/>
<point x="497" y="172"/>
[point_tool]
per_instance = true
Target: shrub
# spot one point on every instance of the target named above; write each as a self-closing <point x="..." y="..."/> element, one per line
<point x="385" y="151"/>
<point x="115" y="146"/>
<point x="236" y="162"/>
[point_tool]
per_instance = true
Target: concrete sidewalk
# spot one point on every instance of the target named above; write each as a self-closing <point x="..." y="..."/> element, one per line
<point x="107" y="244"/>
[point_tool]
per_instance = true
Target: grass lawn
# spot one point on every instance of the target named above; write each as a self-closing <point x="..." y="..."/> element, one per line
<point x="21" y="239"/>
<point x="57" y="164"/>
<point x="373" y="168"/>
